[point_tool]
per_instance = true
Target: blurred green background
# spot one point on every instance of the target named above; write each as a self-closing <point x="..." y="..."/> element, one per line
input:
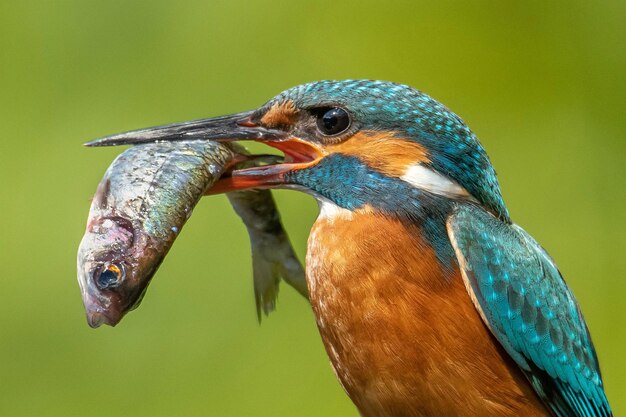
<point x="541" y="83"/>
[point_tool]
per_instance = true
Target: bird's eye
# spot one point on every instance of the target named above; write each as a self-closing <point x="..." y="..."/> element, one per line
<point x="332" y="121"/>
<point x="109" y="275"/>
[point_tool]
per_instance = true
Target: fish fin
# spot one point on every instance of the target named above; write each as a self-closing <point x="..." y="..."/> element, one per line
<point x="266" y="279"/>
<point x="272" y="261"/>
<point x="292" y="271"/>
<point x="273" y="256"/>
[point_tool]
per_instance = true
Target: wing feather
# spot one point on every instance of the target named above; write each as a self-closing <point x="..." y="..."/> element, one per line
<point x="529" y="308"/>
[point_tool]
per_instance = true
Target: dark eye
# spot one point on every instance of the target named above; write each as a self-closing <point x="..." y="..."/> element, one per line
<point x="333" y="121"/>
<point x="109" y="275"/>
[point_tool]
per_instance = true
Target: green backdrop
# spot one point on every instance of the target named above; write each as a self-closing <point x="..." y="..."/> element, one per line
<point x="541" y="83"/>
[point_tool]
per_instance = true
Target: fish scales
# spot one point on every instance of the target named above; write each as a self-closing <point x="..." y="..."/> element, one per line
<point x="166" y="182"/>
<point x="142" y="203"/>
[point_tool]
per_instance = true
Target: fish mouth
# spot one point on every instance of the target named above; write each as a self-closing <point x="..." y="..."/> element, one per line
<point x="299" y="153"/>
<point x="98" y="315"/>
<point x="101" y="307"/>
<point x="110" y="308"/>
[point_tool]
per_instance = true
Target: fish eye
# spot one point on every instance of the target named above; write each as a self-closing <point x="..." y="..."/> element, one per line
<point x="332" y="121"/>
<point x="109" y="275"/>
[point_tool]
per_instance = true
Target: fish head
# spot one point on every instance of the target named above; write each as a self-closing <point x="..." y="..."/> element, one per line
<point x="116" y="261"/>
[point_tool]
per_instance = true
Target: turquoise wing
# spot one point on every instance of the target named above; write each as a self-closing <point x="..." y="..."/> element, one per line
<point x="523" y="299"/>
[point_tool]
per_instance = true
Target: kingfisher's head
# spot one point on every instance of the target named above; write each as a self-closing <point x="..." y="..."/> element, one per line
<point x="352" y="142"/>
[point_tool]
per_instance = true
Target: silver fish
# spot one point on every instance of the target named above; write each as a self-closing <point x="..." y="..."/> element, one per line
<point x="141" y="204"/>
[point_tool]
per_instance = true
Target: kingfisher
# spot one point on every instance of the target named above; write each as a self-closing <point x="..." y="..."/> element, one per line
<point x="429" y="300"/>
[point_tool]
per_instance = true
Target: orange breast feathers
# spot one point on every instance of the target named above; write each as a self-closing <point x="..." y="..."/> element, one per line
<point x="401" y="331"/>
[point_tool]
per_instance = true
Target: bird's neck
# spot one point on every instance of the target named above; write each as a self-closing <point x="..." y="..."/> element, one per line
<point x="367" y="233"/>
<point x="345" y="181"/>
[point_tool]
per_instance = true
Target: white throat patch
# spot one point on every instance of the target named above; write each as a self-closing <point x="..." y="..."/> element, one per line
<point x="330" y="211"/>
<point x="422" y="177"/>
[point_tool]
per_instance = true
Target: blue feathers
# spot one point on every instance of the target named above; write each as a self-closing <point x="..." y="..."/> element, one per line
<point x="380" y="105"/>
<point x="530" y="310"/>
<point x="351" y="184"/>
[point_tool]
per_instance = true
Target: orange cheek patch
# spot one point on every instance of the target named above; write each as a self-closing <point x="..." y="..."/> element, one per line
<point x="280" y="114"/>
<point x="383" y="151"/>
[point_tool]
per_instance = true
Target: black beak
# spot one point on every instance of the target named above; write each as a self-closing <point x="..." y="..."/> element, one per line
<point x="239" y="126"/>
